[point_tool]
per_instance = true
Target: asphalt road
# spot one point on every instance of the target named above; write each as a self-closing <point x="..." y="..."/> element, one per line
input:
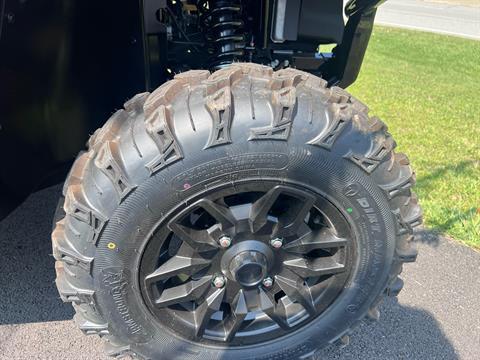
<point x="445" y="17"/>
<point x="436" y="316"/>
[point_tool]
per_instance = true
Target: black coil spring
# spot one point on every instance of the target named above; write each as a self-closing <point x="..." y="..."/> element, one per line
<point x="223" y="30"/>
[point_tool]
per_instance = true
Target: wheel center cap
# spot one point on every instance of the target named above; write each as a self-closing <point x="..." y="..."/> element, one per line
<point x="249" y="268"/>
<point x="247" y="262"/>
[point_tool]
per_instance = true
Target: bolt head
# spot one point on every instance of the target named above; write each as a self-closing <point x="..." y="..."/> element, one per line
<point x="225" y="241"/>
<point x="218" y="281"/>
<point x="267" y="282"/>
<point x="276" y="243"/>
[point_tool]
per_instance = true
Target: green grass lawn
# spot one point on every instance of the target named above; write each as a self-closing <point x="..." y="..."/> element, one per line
<point x="426" y="87"/>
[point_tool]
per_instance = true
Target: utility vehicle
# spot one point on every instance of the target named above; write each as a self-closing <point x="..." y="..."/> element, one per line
<point x="242" y="205"/>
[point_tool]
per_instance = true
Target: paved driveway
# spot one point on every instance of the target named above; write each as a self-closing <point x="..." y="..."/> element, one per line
<point x="436" y="316"/>
<point x="452" y="17"/>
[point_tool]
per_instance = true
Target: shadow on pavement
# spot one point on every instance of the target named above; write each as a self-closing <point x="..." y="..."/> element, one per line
<point x="27" y="274"/>
<point x="403" y="332"/>
<point x="428" y="237"/>
<point x="28" y="293"/>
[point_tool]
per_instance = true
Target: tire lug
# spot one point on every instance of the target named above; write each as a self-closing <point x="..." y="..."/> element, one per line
<point x="225" y="241"/>
<point x="267" y="282"/>
<point x="218" y="281"/>
<point x="277" y="243"/>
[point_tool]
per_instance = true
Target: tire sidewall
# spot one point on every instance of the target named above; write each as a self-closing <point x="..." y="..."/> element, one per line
<point x="116" y="279"/>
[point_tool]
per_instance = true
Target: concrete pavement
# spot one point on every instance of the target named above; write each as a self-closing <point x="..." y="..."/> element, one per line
<point x="435" y="317"/>
<point x="445" y="17"/>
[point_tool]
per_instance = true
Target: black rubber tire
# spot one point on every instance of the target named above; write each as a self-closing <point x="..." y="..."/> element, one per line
<point x="203" y="130"/>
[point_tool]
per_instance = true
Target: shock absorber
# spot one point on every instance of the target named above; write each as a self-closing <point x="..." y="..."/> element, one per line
<point x="224" y="30"/>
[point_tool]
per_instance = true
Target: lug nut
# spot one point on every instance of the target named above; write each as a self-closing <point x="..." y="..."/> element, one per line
<point x="225" y="241"/>
<point x="267" y="282"/>
<point x="218" y="281"/>
<point x="276" y="243"/>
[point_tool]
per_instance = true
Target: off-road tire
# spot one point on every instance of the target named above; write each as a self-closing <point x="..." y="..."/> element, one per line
<point x="156" y="147"/>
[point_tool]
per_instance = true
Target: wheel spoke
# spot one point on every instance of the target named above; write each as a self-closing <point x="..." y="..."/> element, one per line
<point x="293" y="215"/>
<point x="291" y="220"/>
<point x="314" y="267"/>
<point x="323" y="239"/>
<point x="295" y="288"/>
<point x="203" y="240"/>
<point x="189" y="291"/>
<point x="200" y="240"/>
<point x="184" y="262"/>
<point x="205" y="311"/>
<point x="220" y="213"/>
<point x="260" y="208"/>
<point x="275" y="311"/>
<point x="239" y="312"/>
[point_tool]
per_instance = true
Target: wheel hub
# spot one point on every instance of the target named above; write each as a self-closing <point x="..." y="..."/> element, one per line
<point x="247" y="262"/>
<point x="249" y="268"/>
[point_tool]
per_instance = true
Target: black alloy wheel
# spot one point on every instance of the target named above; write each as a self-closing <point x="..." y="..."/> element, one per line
<point x="247" y="264"/>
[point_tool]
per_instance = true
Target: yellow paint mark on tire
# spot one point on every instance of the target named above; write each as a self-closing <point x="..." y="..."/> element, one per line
<point x="111" y="245"/>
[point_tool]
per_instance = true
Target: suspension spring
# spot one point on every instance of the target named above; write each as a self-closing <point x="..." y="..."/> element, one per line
<point x="223" y="30"/>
